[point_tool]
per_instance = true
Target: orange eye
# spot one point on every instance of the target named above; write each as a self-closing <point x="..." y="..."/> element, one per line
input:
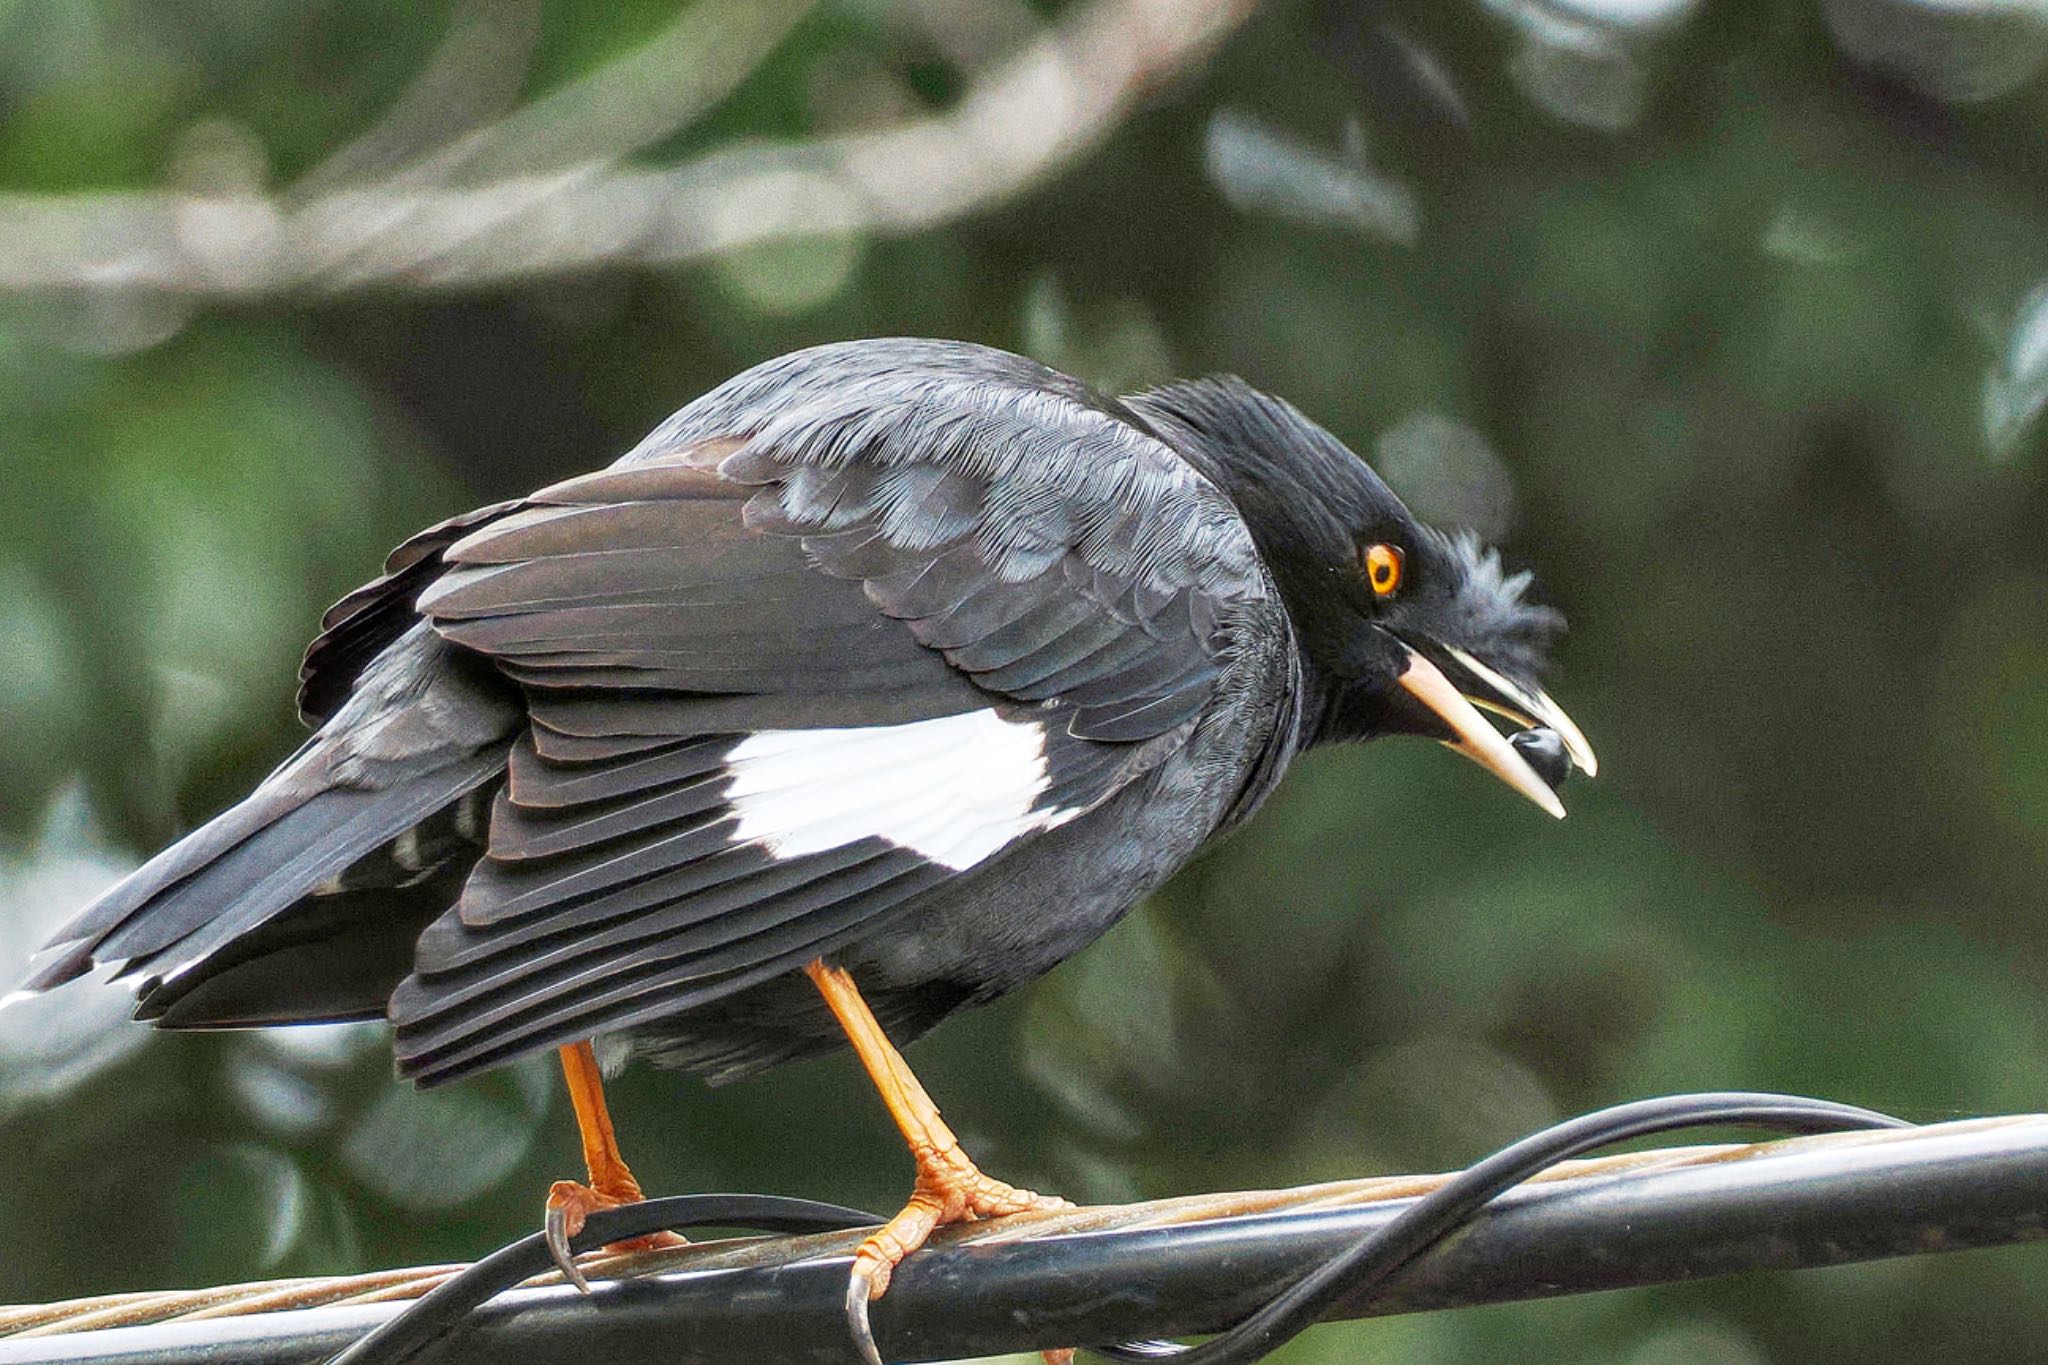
<point x="1383" y="569"/>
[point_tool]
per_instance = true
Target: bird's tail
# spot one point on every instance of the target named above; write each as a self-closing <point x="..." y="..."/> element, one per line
<point x="276" y="910"/>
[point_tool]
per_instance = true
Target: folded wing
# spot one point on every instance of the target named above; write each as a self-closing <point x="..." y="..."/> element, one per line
<point x="855" y="623"/>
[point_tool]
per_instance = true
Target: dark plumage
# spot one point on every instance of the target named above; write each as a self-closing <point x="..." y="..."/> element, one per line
<point x="911" y="655"/>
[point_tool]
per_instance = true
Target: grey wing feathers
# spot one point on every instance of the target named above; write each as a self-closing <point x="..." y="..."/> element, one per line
<point x="371" y="619"/>
<point x="1035" y="533"/>
<point x="851" y="536"/>
<point x="763" y="541"/>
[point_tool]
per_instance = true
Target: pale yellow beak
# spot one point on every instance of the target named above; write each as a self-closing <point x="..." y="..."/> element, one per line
<point x="1476" y="737"/>
<point x="1529" y="706"/>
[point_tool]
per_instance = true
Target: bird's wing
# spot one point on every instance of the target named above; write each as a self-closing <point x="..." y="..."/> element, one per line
<point x="828" y="639"/>
<point x="370" y="620"/>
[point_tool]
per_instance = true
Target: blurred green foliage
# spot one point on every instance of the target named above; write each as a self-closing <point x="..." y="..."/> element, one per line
<point x="1752" y="372"/>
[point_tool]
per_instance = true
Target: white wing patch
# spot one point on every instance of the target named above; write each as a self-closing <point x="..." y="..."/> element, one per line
<point x="953" y="790"/>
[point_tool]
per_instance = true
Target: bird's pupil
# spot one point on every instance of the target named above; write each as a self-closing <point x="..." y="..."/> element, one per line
<point x="1383" y="567"/>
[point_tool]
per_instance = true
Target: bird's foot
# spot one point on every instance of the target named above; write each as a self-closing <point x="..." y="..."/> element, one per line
<point x="950" y="1189"/>
<point x="571" y="1203"/>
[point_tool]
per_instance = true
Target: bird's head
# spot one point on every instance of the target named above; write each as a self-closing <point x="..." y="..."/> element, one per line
<point x="1403" y="629"/>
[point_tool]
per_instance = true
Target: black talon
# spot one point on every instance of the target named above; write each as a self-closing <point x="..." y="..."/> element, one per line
<point x="857" y="1286"/>
<point x="555" y="1227"/>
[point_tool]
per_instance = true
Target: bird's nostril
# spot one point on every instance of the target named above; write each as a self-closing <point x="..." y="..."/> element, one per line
<point x="1544" y="751"/>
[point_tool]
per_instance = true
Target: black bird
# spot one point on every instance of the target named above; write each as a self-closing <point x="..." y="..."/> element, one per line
<point x="869" y="686"/>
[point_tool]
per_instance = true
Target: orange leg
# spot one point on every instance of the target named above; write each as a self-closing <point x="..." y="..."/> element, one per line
<point x="949" y="1188"/>
<point x="611" y="1182"/>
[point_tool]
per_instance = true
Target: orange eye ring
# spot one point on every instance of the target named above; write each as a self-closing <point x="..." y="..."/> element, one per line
<point x="1383" y="564"/>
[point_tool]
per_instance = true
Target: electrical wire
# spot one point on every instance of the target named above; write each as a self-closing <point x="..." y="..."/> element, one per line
<point x="1352" y="1274"/>
<point x="1375" y="1259"/>
<point x="444" y="1309"/>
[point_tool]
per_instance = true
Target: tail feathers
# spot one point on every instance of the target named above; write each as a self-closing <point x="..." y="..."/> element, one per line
<point x="78" y="942"/>
<point x="246" y="866"/>
<point x="331" y="957"/>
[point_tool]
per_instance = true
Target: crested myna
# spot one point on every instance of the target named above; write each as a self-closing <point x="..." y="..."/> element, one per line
<point x="869" y="686"/>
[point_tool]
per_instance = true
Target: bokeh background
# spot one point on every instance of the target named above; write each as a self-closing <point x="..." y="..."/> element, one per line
<point x="1728" y="318"/>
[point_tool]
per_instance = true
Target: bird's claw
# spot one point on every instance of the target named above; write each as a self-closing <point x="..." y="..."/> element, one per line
<point x="555" y="1230"/>
<point x="570" y="1204"/>
<point x="954" y="1191"/>
<point x="860" y="1289"/>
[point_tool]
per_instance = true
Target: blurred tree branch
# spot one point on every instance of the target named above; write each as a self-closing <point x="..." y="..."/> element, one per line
<point x="545" y="189"/>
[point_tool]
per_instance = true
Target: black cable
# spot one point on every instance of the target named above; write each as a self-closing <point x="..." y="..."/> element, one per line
<point x="1375" y="1259"/>
<point x="445" y="1308"/>
<point x="1369" y="1263"/>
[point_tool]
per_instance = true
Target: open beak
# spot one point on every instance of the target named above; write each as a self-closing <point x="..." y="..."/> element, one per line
<point x="1526" y="706"/>
<point x="1475" y="736"/>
